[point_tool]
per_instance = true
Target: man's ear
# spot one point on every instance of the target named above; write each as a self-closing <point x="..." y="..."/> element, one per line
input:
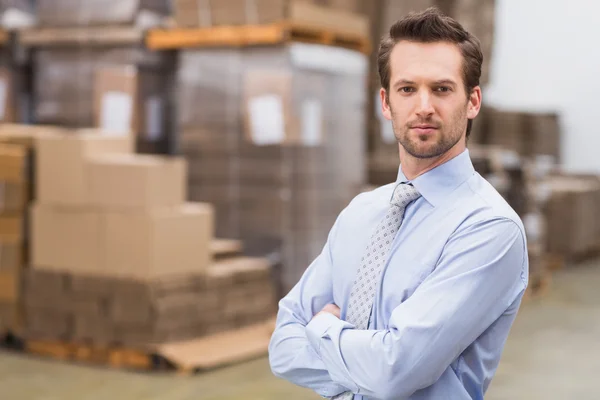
<point x="474" y="103"/>
<point x="385" y="105"/>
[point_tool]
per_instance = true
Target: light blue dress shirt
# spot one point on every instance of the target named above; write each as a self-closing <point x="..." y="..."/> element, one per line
<point x="447" y="299"/>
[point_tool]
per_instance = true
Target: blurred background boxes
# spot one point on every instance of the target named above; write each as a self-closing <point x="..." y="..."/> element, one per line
<point x="270" y="132"/>
<point x="341" y="16"/>
<point x="273" y="146"/>
<point x="77" y="87"/>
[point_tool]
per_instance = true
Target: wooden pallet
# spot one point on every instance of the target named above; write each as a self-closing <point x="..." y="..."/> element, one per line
<point x="253" y="35"/>
<point x="200" y="354"/>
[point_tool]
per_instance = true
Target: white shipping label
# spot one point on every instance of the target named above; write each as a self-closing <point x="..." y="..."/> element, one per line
<point x="116" y="112"/>
<point x="312" y="122"/>
<point x="154" y="118"/>
<point x="3" y="94"/>
<point x="266" y="120"/>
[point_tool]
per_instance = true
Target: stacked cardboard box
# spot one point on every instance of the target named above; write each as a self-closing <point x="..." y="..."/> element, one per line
<point x="119" y="256"/>
<point x="91" y="68"/>
<point x="113" y="88"/>
<point x="233" y="293"/>
<point x="13" y="205"/>
<point x="68" y="13"/>
<point x="274" y="139"/>
<point x="527" y="133"/>
<point x="338" y="15"/>
<point x="17" y="160"/>
<point x="572" y="211"/>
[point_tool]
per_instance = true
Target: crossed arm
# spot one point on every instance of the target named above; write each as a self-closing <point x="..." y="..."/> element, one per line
<point x="480" y="274"/>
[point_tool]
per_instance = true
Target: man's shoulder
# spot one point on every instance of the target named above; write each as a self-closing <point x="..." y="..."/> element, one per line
<point x="489" y="204"/>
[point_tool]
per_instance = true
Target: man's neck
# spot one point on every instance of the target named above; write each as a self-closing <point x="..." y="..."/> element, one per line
<point x="413" y="167"/>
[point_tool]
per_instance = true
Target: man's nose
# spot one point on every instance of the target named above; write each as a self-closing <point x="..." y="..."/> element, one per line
<point x="425" y="106"/>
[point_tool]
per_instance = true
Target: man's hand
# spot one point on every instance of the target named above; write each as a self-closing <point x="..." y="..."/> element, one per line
<point x="331" y="309"/>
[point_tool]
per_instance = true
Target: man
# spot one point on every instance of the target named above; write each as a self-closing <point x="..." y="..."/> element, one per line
<point x="428" y="273"/>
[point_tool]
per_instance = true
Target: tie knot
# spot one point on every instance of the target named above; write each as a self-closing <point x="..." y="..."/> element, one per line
<point x="404" y="194"/>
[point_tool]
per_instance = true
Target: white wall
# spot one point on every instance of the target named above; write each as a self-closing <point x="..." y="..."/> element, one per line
<point x="547" y="58"/>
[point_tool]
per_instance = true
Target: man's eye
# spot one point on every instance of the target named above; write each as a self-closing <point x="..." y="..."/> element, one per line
<point x="406" y="89"/>
<point x="443" y="89"/>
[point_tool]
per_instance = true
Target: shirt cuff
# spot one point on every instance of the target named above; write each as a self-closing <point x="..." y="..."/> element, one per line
<point x="317" y="328"/>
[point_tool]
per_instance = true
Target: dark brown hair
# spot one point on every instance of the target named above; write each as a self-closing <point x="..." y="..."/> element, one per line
<point x="431" y="26"/>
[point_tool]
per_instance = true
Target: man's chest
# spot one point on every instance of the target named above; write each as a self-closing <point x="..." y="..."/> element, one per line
<point x="412" y="256"/>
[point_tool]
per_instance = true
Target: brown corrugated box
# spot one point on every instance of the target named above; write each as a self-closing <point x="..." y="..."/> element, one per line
<point x="571" y="214"/>
<point x="67" y="239"/>
<point x="122" y="181"/>
<point x="159" y="242"/>
<point x="135" y="244"/>
<point x="60" y="166"/>
<point x="140" y="313"/>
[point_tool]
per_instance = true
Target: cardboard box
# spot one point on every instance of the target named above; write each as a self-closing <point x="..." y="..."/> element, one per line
<point x="12" y="254"/>
<point x="13" y="159"/>
<point x="159" y="242"/>
<point x="60" y="166"/>
<point x="67" y="239"/>
<point x="11" y="227"/>
<point x="136" y="181"/>
<point x="92" y="328"/>
<point x="43" y="323"/>
<point x="13" y="197"/>
<point x="10" y="286"/>
<point x="126" y="101"/>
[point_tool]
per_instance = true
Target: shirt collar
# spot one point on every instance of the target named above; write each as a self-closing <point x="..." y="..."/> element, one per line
<point x="436" y="184"/>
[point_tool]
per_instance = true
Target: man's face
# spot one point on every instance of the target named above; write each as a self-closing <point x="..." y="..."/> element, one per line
<point x="427" y="102"/>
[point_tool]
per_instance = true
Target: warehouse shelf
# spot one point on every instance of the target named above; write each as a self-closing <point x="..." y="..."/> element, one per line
<point x="249" y="35"/>
<point x="184" y="357"/>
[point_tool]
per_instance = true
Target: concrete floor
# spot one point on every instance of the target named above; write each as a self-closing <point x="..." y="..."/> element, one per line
<point x="553" y="353"/>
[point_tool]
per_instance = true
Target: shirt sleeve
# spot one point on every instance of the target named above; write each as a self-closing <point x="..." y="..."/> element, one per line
<point x="290" y="354"/>
<point x="480" y="274"/>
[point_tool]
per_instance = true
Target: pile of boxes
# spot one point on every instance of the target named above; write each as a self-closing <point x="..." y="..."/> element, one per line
<point x="572" y="210"/>
<point x="108" y="311"/>
<point x="14" y="191"/>
<point x="341" y="15"/>
<point x="274" y="138"/>
<point x="108" y="80"/>
<point x="527" y="133"/>
<point x="119" y="256"/>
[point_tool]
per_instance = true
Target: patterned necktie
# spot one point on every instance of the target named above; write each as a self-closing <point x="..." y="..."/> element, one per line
<point x="367" y="278"/>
